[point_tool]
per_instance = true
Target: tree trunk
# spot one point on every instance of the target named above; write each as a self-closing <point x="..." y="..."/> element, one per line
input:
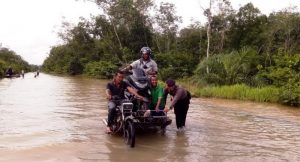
<point x="117" y="35"/>
<point x="157" y="44"/>
<point x="222" y="40"/>
<point x="208" y="34"/>
<point x="208" y="45"/>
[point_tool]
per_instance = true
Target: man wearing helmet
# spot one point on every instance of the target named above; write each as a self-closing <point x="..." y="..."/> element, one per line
<point x="145" y="62"/>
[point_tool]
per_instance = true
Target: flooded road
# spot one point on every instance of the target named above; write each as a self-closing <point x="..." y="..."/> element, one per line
<point x="52" y="118"/>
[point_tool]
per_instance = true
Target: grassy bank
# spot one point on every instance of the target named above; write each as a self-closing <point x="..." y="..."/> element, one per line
<point x="239" y="91"/>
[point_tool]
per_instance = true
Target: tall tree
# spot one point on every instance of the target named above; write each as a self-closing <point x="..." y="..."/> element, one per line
<point x="208" y="14"/>
<point x="221" y="24"/>
<point x="224" y="9"/>
<point x="283" y="31"/>
<point x="248" y="28"/>
<point x="167" y="22"/>
<point x="129" y="19"/>
<point x="106" y="6"/>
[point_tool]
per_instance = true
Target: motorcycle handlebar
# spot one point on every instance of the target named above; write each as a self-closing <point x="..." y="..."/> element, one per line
<point x="145" y="99"/>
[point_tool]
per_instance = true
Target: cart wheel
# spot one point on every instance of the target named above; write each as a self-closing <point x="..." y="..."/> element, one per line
<point x="163" y="130"/>
<point x="129" y="134"/>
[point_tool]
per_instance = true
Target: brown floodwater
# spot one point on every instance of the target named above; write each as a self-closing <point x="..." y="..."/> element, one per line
<point x="52" y="118"/>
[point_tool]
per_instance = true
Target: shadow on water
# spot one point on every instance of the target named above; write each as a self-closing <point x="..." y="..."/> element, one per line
<point x="52" y="118"/>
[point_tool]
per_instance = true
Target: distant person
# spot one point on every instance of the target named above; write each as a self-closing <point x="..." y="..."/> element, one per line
<point x="36" y="74"/>
<point x="22" y="73"/>
<point x="145" y="62"/>
<point x="180" y="102"/>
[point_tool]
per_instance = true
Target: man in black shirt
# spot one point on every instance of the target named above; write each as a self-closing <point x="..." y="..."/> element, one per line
<point x="180" y="102"/>
<point x="116" y="89"/>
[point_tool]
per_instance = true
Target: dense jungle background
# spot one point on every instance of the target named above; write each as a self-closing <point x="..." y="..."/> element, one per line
<point x="238" y="54"/>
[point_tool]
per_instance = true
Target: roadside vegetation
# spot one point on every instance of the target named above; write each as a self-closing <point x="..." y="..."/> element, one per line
<point x="240" y="54"/>
<point x="9" y="59"/>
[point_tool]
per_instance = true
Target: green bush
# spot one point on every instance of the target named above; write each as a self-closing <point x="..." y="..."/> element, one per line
<point x="9" y="58"/>
<point x="100" y="69"/>
<point x="285" y="69"/>
<point x="228" y="69"/>
<point x="2" y="68"/>
<point x="175" y="65"/>
<point x="290" y="93"/>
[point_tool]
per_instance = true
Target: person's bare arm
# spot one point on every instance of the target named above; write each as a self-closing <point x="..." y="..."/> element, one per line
<point x="157" y="104"/>
<point x="127" y="68"/>
<point x="134" y="92"/>
<point x="108" y="94"/>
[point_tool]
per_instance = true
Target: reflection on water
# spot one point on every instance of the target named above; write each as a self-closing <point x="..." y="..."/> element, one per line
<point x="52" y="118"/>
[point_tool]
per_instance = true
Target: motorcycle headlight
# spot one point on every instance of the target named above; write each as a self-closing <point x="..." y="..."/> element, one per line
<point x="127" y="107"/>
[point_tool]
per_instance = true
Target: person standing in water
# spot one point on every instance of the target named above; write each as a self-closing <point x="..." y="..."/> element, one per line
<point x="180" y="102"/>
<point x="22" y="73"/>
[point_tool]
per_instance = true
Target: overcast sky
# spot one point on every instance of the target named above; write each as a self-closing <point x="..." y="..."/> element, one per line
<point x="29" y="27"/>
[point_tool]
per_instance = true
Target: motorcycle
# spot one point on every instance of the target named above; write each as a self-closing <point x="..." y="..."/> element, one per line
<point x="123" y="120"/>
<point x="130" y="113"/>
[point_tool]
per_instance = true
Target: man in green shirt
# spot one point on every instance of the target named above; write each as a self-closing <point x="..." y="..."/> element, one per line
<point x="157" y="98"/>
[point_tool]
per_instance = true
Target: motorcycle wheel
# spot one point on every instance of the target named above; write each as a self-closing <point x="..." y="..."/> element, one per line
<point x="129" y="134"/>
<point x="117" y="125"/>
